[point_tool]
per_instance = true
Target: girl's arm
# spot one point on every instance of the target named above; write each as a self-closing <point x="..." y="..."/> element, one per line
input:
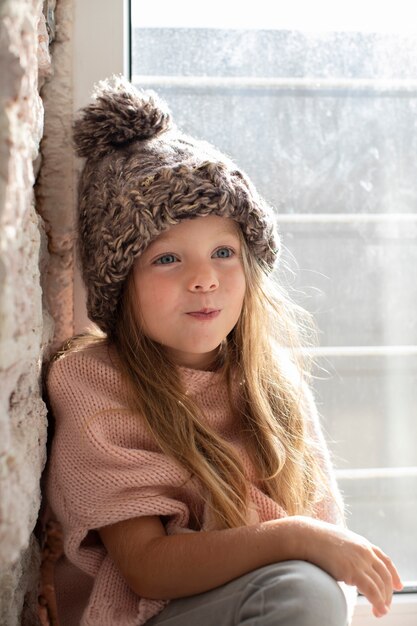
<point x="159" y="566"/>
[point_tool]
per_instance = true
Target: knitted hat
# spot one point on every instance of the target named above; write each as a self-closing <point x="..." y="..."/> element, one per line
<point x="141" y="176"/>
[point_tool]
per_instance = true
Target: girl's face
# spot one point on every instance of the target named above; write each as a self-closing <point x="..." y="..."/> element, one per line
<point x="190" y="287"/>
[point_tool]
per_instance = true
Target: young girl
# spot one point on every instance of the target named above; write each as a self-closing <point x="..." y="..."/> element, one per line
<point x="188" y="468"/>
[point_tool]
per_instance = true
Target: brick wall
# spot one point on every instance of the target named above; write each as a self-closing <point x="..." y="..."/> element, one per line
<point x="30" y="84"/>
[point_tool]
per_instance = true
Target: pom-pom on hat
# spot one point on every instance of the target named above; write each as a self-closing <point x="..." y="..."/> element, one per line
<point x="143" y="175"/>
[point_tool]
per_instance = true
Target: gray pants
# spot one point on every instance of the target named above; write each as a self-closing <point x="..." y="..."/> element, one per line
<point x="291" y="593"/>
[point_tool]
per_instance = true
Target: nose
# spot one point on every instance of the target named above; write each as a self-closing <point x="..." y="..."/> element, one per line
<point x="203" y="279"/>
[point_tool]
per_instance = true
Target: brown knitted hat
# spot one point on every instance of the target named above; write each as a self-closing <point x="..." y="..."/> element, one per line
<point x="141" y="176"/>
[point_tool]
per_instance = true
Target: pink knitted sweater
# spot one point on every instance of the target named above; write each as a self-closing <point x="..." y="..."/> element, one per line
<point x="105" y="467"/>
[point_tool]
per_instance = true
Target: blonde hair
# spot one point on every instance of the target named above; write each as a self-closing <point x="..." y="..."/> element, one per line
<point x="264" y="351"/>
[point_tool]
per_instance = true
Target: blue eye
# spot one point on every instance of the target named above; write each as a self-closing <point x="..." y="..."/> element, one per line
<point x="223" y="253"/>
<point x="166" y="259"/>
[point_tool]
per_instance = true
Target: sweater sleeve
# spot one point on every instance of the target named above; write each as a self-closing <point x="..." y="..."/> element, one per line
<point x="104" y="466"/>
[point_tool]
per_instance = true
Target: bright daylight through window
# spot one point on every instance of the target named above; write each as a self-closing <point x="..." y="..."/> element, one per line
<point x="321" y="111"/>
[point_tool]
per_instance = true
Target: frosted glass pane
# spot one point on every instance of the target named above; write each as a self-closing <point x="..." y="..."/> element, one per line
<point x="368" y="412"/>
<point x="345" y="152"/>
<point x="368" y="408"/>
<point x="385" y="510"/>
<point x="334" y="151"/>
<point x="359" y="279"/>
<point x="311" y="154"/>
<point x="271" y="53"/>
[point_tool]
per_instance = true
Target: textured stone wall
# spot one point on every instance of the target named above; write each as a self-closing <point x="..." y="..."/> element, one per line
<point x="55" y="187"/>
<point x="25" y="326"/>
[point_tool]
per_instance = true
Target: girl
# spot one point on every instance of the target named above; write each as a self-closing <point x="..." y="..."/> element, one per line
<point x="188" y="468"/>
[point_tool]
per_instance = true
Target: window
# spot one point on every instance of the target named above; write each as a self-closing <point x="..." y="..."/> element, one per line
<point x="321" y="112"/>
<point x="318" y="104"/>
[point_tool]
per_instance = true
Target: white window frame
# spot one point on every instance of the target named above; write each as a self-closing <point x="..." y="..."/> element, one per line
<point x="101" y="48"/>
<point x="403" y="612"/>
<point x="101" y="36"/>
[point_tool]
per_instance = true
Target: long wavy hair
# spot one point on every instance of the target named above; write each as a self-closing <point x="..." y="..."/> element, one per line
<point x="265" y="351"/>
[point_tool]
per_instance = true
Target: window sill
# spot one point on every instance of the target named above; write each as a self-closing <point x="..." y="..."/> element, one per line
<point x="403" y="612"/>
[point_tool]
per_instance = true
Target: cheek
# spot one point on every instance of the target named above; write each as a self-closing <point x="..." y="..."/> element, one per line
<point x="237" y="287"/>
<point x="154" y="297"/>
<point x="240" y="281"/>
<point x="242" y="285"/>
<point x="145" y="297"/>
<point x="242" y="297"/>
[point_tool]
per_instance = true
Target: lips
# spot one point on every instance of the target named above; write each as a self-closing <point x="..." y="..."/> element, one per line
<point x="204" y="314"/>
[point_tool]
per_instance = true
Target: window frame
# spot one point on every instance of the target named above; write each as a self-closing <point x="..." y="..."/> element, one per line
<point x="110" y="39"/>
<point x="101" y="26"/>
<point x="403" y="611"/>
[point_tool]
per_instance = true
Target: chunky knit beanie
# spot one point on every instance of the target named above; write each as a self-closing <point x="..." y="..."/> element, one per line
<point x="141" y="176"/>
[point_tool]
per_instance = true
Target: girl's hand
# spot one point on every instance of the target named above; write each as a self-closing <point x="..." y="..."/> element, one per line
<point x="351" y="558"/>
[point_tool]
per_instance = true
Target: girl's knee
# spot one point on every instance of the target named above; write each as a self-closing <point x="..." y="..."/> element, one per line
<point x="305" y="576"/>
<point x="296" y="593"/>
<point x="317" y="597"/>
